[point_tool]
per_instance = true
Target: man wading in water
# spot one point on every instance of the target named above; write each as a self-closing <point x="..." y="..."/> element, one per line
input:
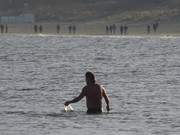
<point x="94" y="93"/>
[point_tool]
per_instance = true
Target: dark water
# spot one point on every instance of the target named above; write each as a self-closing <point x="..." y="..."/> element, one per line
<point x="38" y="73"/>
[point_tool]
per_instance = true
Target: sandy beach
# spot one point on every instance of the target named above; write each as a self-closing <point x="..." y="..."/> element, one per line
<point x="167" y="28"/>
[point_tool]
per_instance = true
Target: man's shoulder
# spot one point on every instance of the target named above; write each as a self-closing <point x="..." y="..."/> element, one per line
<point x="99" y="85"/>
<point x="96" y="85"/>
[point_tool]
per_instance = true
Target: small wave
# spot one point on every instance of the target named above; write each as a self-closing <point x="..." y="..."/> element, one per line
<point x="28" y="114"/>
<point x="27" y="89"/>
<point x="43" y="114"/>
<point x="15" y="112"/>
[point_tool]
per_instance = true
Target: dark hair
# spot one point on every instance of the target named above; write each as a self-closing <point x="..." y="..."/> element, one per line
<point x="91" y="76"/>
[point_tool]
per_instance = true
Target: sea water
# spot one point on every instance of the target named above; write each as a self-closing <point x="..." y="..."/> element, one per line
<point x="38" y="73"/>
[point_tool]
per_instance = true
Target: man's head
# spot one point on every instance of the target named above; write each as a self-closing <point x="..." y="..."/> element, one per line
<point x="90" y="78"/>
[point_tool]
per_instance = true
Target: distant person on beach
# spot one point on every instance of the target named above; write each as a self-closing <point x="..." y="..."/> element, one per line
<point x="148" y="29"/>
<point x="121" y="30"/>
<point x="58" y="28"/>
<point x="74" y="29"/>
<point x="107" y="29"/>
<point x="94" y="94"/>
<point x="6" y="28"/>
<point x="35" y="28"/>
<point x="2" y="28"/>
<point x="111" y="29"/>
<point x="70" y="29"/>
<point x="40" y="28"/>
<point x="125" y="29"/>
<point x="155" y="26"/>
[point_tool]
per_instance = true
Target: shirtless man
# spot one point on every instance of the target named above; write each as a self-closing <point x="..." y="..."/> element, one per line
<point x="93" y="93"/>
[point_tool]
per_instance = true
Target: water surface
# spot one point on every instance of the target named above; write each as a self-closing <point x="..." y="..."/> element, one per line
<point x="39" y="73"/>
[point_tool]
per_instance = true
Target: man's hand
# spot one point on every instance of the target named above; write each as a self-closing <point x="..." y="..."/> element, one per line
<point x="107" y="108"/>
<point x="66" y="103"/>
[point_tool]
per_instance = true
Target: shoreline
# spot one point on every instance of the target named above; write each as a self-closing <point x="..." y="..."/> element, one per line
<point x="93" y="35"/>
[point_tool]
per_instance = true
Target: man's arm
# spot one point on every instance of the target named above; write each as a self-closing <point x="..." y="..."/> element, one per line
<point x="81" y="95"/>
<point x="105" y="98"/>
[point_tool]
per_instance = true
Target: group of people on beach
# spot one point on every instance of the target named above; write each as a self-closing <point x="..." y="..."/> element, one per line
<point x="110" y="29"/>
<point x="113" y="29"/>
<point x="154" y="26"/>
<point x="71" y="29"/>
<point x="38" y="29"/>
<point x="4" y="28"/>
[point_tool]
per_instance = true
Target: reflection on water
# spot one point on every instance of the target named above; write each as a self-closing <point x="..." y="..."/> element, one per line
<point x="38" y="73"/>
